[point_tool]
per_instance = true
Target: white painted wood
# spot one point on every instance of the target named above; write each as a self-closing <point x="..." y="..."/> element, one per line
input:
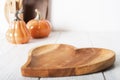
<point x="1" y="35"/>
<point x="5" y="46"/>
<point x="114" y="72"/>
<point x="12" y="60"/>
<point x="78" y="39"/>
<point x="96" y="76"/>
<point x="109" y="40"/>
<point x="12" y="64"/>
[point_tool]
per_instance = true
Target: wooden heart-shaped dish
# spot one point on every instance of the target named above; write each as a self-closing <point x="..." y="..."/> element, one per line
<point x="66" y="60"/>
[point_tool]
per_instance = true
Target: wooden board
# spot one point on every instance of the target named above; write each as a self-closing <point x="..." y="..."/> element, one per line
<point x="65" y="60"/>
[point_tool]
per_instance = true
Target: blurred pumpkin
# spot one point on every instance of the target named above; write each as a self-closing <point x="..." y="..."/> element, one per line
<point x="18" y="32"/>
<point x="38" y="27"/>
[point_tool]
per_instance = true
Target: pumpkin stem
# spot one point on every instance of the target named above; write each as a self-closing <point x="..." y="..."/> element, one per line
<point x="16" y="16"/>
<point x="18" y="13"/>
<point x="38" y="16"/>
<point x="21" y="10"/>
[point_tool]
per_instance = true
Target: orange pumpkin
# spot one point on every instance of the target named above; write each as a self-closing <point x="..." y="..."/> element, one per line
<point x="18" y="32"/>
<point x="39" y="28"/>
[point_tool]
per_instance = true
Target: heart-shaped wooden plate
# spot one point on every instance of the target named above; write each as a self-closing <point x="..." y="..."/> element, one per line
<point x="65" y="60"/>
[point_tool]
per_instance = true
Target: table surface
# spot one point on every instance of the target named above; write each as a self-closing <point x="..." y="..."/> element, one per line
<point x="12" y="57"/>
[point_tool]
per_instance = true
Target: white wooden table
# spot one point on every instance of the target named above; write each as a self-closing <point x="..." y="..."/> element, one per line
<point x="12" y="57"/>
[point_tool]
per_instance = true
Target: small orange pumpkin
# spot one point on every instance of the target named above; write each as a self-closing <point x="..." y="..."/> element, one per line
<point x="39" y="28"/>
<point x="18" y="32"/>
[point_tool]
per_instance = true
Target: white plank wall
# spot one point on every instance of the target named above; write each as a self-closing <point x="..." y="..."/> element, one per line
<point x="107" y="39"/>
<point x="96" y="76"/>
<point x="78" y="39"/>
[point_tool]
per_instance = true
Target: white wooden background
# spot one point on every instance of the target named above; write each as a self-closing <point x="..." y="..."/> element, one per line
<point x="12" y="57"/>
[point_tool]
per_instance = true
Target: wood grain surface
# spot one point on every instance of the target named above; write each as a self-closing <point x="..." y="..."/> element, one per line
<point x="65" y="60"/>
